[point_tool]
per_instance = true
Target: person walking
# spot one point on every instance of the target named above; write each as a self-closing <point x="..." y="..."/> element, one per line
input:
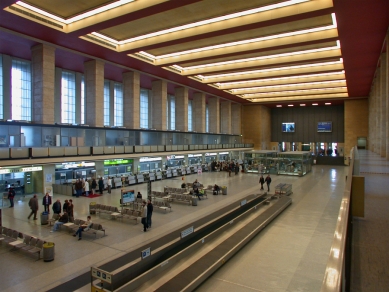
<point x="268" y="181"/>
<point x="34" y="206"/>
<point x="261" y="181"/>
<point x="46" y="202"/>
<point x="144" y="216"/>
<point x="57" y="207"/>
<point x="150" y="209"/>
<point x="101" y="185"/>
<point x="11" y="196"/>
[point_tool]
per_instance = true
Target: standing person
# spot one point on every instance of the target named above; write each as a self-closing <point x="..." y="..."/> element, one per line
<point x="57" y="207"/>
<point x="268" y="181"/>
<point x="144" y="216"/>
<point x="84" y="227"/>
<point x="150" y="209"/>
<point x="101" y="185"/>
<point x="261" y="181"/>
<point x="65" y="206"/>
<point x="86" y="188"/>
<point x="46" y="202"/>
<point x="94" y="186"/>
<point x="11" y="196"/>
<point x="78" y="187"/>
<point x="109" y="185"/>
<point x="70" y="210"/>
<point x="34" y="206"/>
<point x="139" y="195"/>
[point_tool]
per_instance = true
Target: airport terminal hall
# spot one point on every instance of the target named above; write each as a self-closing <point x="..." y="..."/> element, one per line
<point x="194" y="145"/>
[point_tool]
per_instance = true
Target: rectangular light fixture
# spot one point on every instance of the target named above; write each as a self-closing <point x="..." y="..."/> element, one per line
<point x="327" y="103"/>
<point x="302" y="104"/>
<point x="290" y="105"/>
<point x="315" y="104"/>
<point x="278" y="105"/>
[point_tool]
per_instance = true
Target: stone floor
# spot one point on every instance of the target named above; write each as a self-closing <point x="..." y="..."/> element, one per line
<point x="289" y="255"/>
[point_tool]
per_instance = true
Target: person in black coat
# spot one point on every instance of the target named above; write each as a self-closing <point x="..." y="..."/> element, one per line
<point x="268" y="181"/>
<point x="261" y="181"/>
<point x="11" y="196"/>
<point x="150" y="209"/>
<point x="101" y="185"/>
<point x="65" y="206"/>
<point x="57" y="207"/>
<point x="93" y="186"/>
<point x="46" y="202"/>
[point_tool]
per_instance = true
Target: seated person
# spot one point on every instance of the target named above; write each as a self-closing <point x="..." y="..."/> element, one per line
<point x="63" y="219"/>
<point x="216" y="188"/>
<point x="84" y="227"/>
<point x="139" y="195"/>
<point x="183" y="185"/>
<point x="200" y="194"/>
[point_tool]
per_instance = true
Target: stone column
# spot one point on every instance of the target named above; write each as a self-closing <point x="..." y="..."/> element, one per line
<point x="99" y="166"/>
<point x="159" y="100"/>
<point x="131" y="100"/>
<point x="378" y="112"/>
<point x="214" y="115"/>
<point x="7" y="88"/>
<point x="199" y="106"/>
<point x="225" y="109"/>
<point x="236" y="118"/>
<point x="43" y="66"/>
<point x="94" y="93"/>
<point x="383" y="116"/>
<point x="387" y="95"/>
<point x="181" y="95"/>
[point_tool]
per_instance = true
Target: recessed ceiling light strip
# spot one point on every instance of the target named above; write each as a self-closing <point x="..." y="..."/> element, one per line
<point x="252" y="95"/>
<point x="236" y="91"/>
<point x="273" y="69"/>
<point x="203" y="22"/>
<point x="244" y="42"/>
<point x="77" y="17"/>
<point x="305" y="97"/>
<point x="264" y="57"/>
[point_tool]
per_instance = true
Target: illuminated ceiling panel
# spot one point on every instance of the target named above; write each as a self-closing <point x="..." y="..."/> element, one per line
<point x="256" y="50"/>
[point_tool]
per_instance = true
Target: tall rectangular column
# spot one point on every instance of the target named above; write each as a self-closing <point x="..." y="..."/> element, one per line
<point x="199" y="112"/>
<point x="387" y="95"/>
<point x="378" y="112"/>
<point x="236" y="118"/>
<point x="94" y="87"/>
<point x="383" y="117"/>
<point x="131" y="100"/>
<point x="159" y="99"/>
<point x="7" y="88"/>
<point x="225" y="108"/>
<point x="214" y="115"/>
<point x="181" y="95"/>
<point x="43" y="69"/>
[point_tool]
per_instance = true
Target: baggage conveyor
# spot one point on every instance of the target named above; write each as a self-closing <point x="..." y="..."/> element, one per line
<point x="201" y="254"/>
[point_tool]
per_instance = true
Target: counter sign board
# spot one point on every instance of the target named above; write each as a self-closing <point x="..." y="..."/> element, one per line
<point x="101" y="274"/>
<point x="187" y="231"/>
<point x="145" y="253"/>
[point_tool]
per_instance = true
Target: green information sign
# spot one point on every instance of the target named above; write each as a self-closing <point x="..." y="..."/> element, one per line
<point x="118" y="161"/>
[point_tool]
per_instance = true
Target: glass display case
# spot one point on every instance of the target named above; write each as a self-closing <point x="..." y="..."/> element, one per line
<point x="294" y="163"/>
<point x="260" y="161"/>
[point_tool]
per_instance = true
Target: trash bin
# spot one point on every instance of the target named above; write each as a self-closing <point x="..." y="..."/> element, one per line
<point x="44" y="218"/>
<point x="92" y="208"/>
<point x="194" y="201"/>
<point x="48" y="251"/>
<point x="224" y="190"/>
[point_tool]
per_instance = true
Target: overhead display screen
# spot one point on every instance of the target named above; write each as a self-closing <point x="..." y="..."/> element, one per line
<point x="288" y="127"/>
<point x="324" y="127"/>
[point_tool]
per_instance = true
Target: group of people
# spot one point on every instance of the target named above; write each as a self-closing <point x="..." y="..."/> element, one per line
<point x="147" y="212"/>
<point x="83" y="187"/>
<point x="266" y="180"/>
<point x="229" y="166"/>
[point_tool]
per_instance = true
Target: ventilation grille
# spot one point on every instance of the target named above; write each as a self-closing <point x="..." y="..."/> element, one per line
<point x="41" y="19"/>
<point x="97" y="40"/>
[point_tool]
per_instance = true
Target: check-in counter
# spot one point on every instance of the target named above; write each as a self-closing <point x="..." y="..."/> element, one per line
<point x="152" y="176"/>
<point x="168" y="173"/>
<point x="174" y="172"/>
<point x="140" y="178"/>
<point x="131" y="180"/>
<point x="158" y="175"/>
